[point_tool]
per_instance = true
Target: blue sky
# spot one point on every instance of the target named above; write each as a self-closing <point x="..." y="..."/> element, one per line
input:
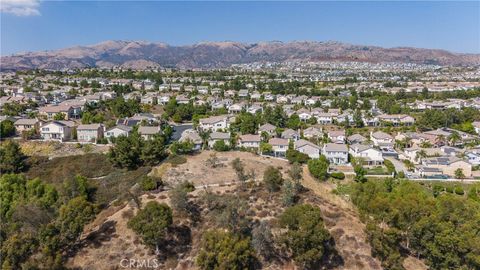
<point x="30" y="25"/>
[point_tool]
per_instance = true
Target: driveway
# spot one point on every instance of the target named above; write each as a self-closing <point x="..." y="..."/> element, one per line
<point x="399" y="166"/>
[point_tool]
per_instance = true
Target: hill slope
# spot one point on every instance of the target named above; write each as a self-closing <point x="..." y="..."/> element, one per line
<point x="141" y="55"/>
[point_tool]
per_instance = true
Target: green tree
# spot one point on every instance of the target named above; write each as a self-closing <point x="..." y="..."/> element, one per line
<point x="318" y="168"/>
<point x="224" y="250"/>
<point x="239" y="168"/>
<point x="7" y="129"/>
<point x="265" y="148"/>
<point x="12" y="190"/>
<point x="295" y="156"/>
<point x="459" y="174"/>
<point x="77" y="186"/>
<point x="72" y="217"/>
<point x="16" y="249"/>
<point x="306" y="236"/>
<point x="272" y="178"/>
<point x="153" y="150"/>
<point x="220" y="146"/>
<point x="12" y="160"/>
<point x="151" y="222"/>
<point x="59" y="116"/>
<point x="360" y="173"/>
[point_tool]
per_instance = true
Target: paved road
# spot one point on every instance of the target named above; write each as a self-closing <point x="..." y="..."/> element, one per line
<point x="178" y="129"/>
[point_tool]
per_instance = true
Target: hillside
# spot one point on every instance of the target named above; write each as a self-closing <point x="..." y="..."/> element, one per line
<point x="143" y="55"/>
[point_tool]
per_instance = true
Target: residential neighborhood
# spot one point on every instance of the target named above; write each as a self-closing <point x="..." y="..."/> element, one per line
<point x="347" y="126"/>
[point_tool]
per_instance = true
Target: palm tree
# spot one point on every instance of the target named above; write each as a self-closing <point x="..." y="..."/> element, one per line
<point x="440" y="139"/>
<point x="454" y="138"/>
<point x="420" y="155"/>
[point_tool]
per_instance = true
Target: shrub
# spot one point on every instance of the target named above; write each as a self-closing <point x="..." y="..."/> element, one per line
<point x="148" y="183"/>
<point x="319" y="168"/>
<point x="459" y="190"/>
<point x="176" y="160"/>
<point x="306" y="235"/>
<point x="272" y="178"/>
<point x="220" y="146"/>
<point x="225" y="250"/>
<point x="295" y="156"/>
<point x="152" y="222"/>
<point x="338" y="175"/>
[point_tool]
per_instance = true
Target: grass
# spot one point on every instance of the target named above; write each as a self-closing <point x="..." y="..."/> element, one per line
<point x="57" y="169"/>
<point x="110" y="183"/>
<point x="377" y="170"/>
<point x="176" y="160"/>
<point x="36" y="148"/>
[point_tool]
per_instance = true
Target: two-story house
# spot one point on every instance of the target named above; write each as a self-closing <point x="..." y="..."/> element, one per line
<point x="336" y="153"/>
<point x="90" y="132"/>
<point x="279" y="146"/>
<point x="57" y="130"/>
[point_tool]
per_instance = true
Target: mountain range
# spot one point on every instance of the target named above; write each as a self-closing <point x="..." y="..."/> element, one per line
<point x="141" y="55"/>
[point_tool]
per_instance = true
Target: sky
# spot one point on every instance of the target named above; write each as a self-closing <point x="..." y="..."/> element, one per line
<point x="34" y="25"/>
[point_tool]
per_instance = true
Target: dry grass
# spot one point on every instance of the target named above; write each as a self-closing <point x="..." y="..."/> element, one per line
<point x="56" y="149"/>
<point x="342" y="220"/>
<point x="197" y="170"/>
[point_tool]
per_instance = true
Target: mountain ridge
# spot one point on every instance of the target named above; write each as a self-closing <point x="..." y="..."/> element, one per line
<point x="208" y="54"/>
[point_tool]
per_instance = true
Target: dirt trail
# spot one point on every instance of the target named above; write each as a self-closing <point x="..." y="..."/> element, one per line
<point x="342" y="220"/>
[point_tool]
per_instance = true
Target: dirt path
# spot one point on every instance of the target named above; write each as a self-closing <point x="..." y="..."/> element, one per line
<point x="342" y="220"/>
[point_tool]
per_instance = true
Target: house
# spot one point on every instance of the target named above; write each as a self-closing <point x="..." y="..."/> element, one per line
<point x="253" y="109"/>
<point x="182" y="99"/>
<point x="367" y="153"/>
<point x="218" y="136"/>
<point x="163" y="99"/>
<point x="476" y="126"/>
<point x="381" y="139"/>
<point x="148" y="132"/>
<point x="446" y="165"/>
<point x="282" y="99"/>
<point x="49" y="112"/>
<point x="473" y="157"/>
<point x="308" y="148"/>
<point x="268" y="128"/>
<point x="255" y="96"/>
<point x="268" y="96"/>
<point x="337" y="136"/>
<point x="24" y="125"/>
<point x="90" y="132"/>
<point x="303" y="114"/>
<point x="137" y="119"/>
<point x="214" y="123"/>
<point x="356" y="139"/>
<point x="279" y="146"/>
<point x="397" y="119"/>
<point x="243" y="93"/>
<point x="149" y="98"/>
<point x="290" y="134"/>
<point x="192" y="136"/>
<point x="235" y="108"/>
<point x="336" y="153"/>
<point x="313" y="132"/>
<point x="249" y="141"/>
<point x="57" y="130"/>
<point x="118" y="130"/>
<point x="324" y="118"/>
